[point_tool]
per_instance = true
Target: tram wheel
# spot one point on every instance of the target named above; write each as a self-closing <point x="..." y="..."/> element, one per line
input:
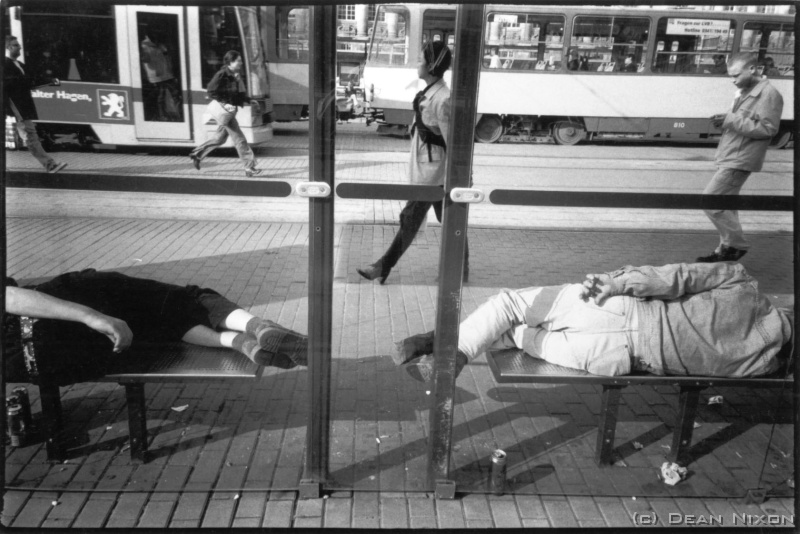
<point x="489" y="129"/>
<point x="568" y="133"/>
<point x="781" y="139"/>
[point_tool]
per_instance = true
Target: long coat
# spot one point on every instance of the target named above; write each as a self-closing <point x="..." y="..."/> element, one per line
<point x="435" y="110"/>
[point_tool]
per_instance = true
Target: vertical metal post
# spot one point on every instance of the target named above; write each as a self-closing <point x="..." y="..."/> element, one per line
<point x="3" y="167"/>
<point x="322" y="130"/>
<point x="463" y="102"/>
<point x="796" y="251"/>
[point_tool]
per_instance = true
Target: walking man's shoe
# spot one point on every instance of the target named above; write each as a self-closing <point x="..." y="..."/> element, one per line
<point x="55" y="167"/>
<point x="725" y="254"/>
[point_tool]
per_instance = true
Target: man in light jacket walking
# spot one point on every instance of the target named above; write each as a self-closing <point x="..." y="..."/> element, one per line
<point x="746" y="133"/>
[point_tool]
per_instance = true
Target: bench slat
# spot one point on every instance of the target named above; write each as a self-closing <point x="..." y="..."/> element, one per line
<point x="180" y="362"/>
<point x="515" y="366"/>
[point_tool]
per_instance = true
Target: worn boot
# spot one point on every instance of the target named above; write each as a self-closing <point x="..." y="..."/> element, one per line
<point x="413" y="347"/>
<point x="376" y="270"/>
<point x="421" y="369"/>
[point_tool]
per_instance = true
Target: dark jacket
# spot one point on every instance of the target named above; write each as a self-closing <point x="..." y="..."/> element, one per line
<point x="226" y="88"/>
<point x="17" y="88"/>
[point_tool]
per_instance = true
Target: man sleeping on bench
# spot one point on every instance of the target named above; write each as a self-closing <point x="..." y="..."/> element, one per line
<point x="84" y="317"/>
<point x="705" y="319"/>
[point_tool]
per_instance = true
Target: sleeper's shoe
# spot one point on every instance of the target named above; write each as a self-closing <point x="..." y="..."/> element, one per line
<point x="273" y="359"/>
<point x="413" y="347"/>
<point x="195" y="161"/>
<point x="274" y="338"/>
<point x="55" y="167"/>
<point x="725" y="254"/>
<point x="376" y="270"/>
<point x="421" y="369"/>
<point x="255" y="171"/>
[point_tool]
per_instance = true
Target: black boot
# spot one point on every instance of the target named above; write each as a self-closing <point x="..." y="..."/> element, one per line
<point x="413" y="347"/>
<point x="376" y="270"/>
<point x="421" y="369"/>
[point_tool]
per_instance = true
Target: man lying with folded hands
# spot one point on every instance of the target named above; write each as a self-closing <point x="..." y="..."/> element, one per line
<point x="705" y="319"/>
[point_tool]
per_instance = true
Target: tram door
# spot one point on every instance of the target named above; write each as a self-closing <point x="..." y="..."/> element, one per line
<point x="158" y="72"/>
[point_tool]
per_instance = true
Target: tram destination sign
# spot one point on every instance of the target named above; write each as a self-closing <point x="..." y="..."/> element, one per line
<point x="704" y="27"/>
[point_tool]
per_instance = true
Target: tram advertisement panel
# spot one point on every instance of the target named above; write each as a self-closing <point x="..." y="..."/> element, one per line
<point x="83" y="103"/>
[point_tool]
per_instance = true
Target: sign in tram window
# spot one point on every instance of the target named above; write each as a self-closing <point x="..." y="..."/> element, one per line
<point x="608" y="44"/>
<point x="293" y="26"/>
<point x="524" y="41"/>
<point x="774" y="44"/>
<point x="693" y="46"/>
<point x="70" y="41"/>
<point x="390" y="42"/>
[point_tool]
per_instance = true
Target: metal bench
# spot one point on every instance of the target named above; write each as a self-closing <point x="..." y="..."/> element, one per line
<point x="514" y="366"/>
<point x="177" y="362"/>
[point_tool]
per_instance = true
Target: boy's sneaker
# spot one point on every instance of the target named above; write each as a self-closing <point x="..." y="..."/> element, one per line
<point x="55" y="167"/>
<point x="421" y="369"/>
<point x="275" y="338"/>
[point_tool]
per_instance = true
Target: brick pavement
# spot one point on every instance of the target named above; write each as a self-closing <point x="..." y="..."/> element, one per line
<point x="234" y="457"/>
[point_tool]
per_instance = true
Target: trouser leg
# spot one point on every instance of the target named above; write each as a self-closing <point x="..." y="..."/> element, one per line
<point x="727" y="182"/>
<point x="494" y="319"/>
<point x="410" y="220"/>
<point x="240" y="142"/>
<point x="27" y="130"/>
<point x="216" y="140"/>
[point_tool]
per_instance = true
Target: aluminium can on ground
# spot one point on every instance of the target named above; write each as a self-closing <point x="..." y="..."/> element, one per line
<point x="497" y="476"/>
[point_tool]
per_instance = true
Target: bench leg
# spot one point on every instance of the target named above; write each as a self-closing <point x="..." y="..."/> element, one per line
<point x="608" y="424"/>
<point x="682" y="435"/>
<point x="50" y="397"/>
<point x="137" y="421"/>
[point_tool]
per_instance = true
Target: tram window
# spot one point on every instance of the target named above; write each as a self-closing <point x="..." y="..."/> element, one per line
<point x="774" y="44"/>
<point x="292" y="32"/>
<point x="524" y="41"/>
<point x="390" y="36"/>
<point x="693" y="46"/>
<point x="439" y="25"/>
<point x="219" y="33"/>
<point x="70" y="41"/>
<point x="609" y="44"/>
<point x="160" y="66"/>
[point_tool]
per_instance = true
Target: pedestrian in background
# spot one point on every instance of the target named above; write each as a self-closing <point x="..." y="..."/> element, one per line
<point x="227" y="90"/>
<point x="18" y="103"/>
<point x="746" y="133"/>
<point x="428" y="156"/>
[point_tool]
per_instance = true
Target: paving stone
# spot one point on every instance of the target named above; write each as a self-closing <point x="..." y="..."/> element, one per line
<point x="449" y="514"/>
<point x="421" y="507"/>
<point x="475" y="507"/>
<point x="366" y="511"/>
<point x="481" y="523"/>
<point x="338" y="513"/>
<point x="394" y="513"/>
<point x="278" y="514"/>
<point x="423" y="522"/>
<point x="536" y="523"/>
<point x="219" y="513"/>
<point x="94" y="513"/>
<point x="156" y="514"/>
<point x="505" y="513"/>
<point x="127" y="511"/>
<point x="33" y="512"/>
<point x="190" y="507"/>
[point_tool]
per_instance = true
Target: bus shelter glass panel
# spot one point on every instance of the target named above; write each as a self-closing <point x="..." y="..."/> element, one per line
<point x="390" y="36"/>
<point x="219" y="32"/>
<point x="523" y="41"/>
<point x="70" y="41"/>
<point x="693" y="46"/>
<point x="608" y="44"/>
<point x="292" y="32"/>
<point x="774" y="44"/>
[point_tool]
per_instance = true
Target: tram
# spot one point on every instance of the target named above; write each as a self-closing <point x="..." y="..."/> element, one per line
<point x="573" y="73"/>
<point x="136" y="75"/>
<point x="286" y="42"/>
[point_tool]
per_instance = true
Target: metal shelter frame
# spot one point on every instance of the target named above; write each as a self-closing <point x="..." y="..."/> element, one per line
<point x="454" y="231"/>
